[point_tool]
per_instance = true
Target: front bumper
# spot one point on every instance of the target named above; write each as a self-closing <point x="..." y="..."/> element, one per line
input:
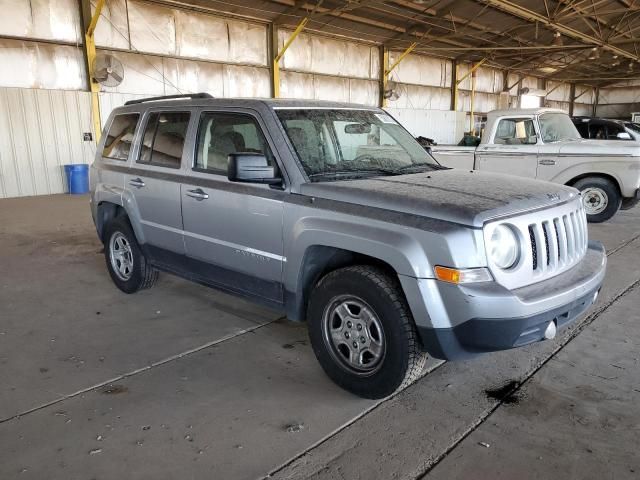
<point x="464" y="321"/>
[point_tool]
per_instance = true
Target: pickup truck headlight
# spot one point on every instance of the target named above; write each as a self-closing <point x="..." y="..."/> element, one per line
<point x="503" y="248"/>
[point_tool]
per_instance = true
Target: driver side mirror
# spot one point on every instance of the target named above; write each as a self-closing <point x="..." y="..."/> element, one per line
<point x="623" y="136"/>
<point x="251" y="168"/>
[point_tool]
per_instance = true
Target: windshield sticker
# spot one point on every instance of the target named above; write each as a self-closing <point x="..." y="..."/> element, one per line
<point x="384" y="118"/>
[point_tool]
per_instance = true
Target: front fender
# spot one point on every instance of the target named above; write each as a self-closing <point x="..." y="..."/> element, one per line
<point x="396" y="248"/>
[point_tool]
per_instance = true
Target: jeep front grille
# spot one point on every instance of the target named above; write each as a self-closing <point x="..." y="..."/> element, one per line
<point x="557" y="242"/>
<point x="552" y="241"/>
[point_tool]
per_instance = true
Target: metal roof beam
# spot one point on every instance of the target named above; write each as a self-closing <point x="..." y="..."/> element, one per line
<point x="526" y="14"/>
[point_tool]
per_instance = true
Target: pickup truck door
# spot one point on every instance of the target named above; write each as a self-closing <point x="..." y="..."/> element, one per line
<point x="232" y="231"/>
<point x="153" y="183"/>
<point x="550" y="163"/>
<point x="513" y="149"/>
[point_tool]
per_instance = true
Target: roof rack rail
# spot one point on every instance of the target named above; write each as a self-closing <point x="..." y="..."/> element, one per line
<point x="168" y="97"/>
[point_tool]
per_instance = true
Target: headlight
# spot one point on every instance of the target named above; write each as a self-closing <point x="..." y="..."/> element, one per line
<point x="503" y="248"/>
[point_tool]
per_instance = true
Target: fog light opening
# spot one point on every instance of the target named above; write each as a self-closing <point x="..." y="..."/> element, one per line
<point x="550" y="332"/>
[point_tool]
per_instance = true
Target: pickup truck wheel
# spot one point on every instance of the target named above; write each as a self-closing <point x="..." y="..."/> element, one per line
<point x="362" y="332"/>
<point x="126" y="263"/>
<point x="600" y="198"/>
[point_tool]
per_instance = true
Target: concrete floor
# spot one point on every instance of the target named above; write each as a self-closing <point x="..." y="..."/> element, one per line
<point x="184" y="382"/>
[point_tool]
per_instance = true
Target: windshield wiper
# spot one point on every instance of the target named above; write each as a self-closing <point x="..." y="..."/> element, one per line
<point x="349" y="172"/>
<point x="419" y="166"/>
<point x="352" y="172"/>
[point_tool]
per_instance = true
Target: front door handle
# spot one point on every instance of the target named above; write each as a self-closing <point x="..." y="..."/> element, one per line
<point x="198" y="194"/>
<point x="137" y="182"/>
<point x="547" y="161"/>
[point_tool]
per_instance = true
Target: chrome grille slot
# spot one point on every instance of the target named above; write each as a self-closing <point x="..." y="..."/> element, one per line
<point x="534" y="247"/>
<point x="551" y="236"/>
<point x="571" y="242"/>
<point x="576" y="231"/>
<point x="546" y="242"/>
<point x="562" y="240"/>
<point x="552" y="241"/>
<point x="539" y="248"/>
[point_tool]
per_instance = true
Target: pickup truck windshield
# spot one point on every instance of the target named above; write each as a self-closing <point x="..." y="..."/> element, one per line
<point x="341" y="144"/>
<point x="556" y="127"/>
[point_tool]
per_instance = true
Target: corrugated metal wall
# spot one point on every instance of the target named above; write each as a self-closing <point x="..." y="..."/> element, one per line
<point x="167" y="50"/>
<point x="619" y="101"/>
<point x="445" y="127"/>
<point x="41" y="131"/>
<point x="329" y="69"/>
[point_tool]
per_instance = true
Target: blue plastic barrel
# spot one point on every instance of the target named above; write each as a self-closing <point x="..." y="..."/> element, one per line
<point x="77" y="178"/>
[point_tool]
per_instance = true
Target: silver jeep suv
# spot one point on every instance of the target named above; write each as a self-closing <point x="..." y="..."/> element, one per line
<point x="334" y="214"/>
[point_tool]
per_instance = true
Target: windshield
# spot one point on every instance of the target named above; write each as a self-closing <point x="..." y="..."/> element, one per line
<point x="633" y="126"/>
<point x="555" y="127"/>
<point x="340" y="144"/>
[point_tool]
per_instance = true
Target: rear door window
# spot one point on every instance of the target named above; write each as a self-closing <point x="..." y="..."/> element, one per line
<point x="164" y="137"/>
<point x="120" y="136"/>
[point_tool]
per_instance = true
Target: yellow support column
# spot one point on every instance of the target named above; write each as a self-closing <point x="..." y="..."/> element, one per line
<point x="458" y="82"/>
<point x="278" y="57"/>
<point x="386" y="69"/>
<point x="385" y="77"/>
<point x="455" y="87"/>
<point x="472" y="124"/>
<point x="94" y="86"/>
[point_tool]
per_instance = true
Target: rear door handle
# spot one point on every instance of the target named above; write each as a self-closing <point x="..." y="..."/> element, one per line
<point x="198" y="194"/>
<point x="137" y="182"/>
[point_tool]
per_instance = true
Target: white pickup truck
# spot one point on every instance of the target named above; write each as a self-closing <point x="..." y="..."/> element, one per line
<point x="543" y="143"/>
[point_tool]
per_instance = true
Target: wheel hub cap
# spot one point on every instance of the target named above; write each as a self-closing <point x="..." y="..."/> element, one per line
<point x="354" y="335"/>
<point x="121" y="256"/>
<point x="595" y="200"/>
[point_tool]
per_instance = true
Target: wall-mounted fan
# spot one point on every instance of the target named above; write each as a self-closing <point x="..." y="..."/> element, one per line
<point x="391" y="91"/>
<point x="108" y="70"/>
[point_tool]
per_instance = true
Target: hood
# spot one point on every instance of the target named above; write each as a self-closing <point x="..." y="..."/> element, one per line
<point x="614" y="148"/>
<point x="460" y="196"/>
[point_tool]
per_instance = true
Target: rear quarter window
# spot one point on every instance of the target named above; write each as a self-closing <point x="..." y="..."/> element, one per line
<point x="120" y="136"/>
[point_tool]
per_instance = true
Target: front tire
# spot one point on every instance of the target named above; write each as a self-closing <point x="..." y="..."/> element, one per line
<point x="126" y="263"/>
<point x="362" y="332"/>
<point x="600" y="197"/>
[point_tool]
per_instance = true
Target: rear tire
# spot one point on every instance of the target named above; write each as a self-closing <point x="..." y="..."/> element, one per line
<point x="126" y="263"/>
<point x="600" y="197"/>
<point x="363" y="307"/>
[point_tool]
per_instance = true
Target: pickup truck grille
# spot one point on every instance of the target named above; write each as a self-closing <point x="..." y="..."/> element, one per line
<point x="552" y="241"/>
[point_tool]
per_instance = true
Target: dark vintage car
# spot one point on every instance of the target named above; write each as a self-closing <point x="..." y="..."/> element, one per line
<point x="602" y="129"/>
